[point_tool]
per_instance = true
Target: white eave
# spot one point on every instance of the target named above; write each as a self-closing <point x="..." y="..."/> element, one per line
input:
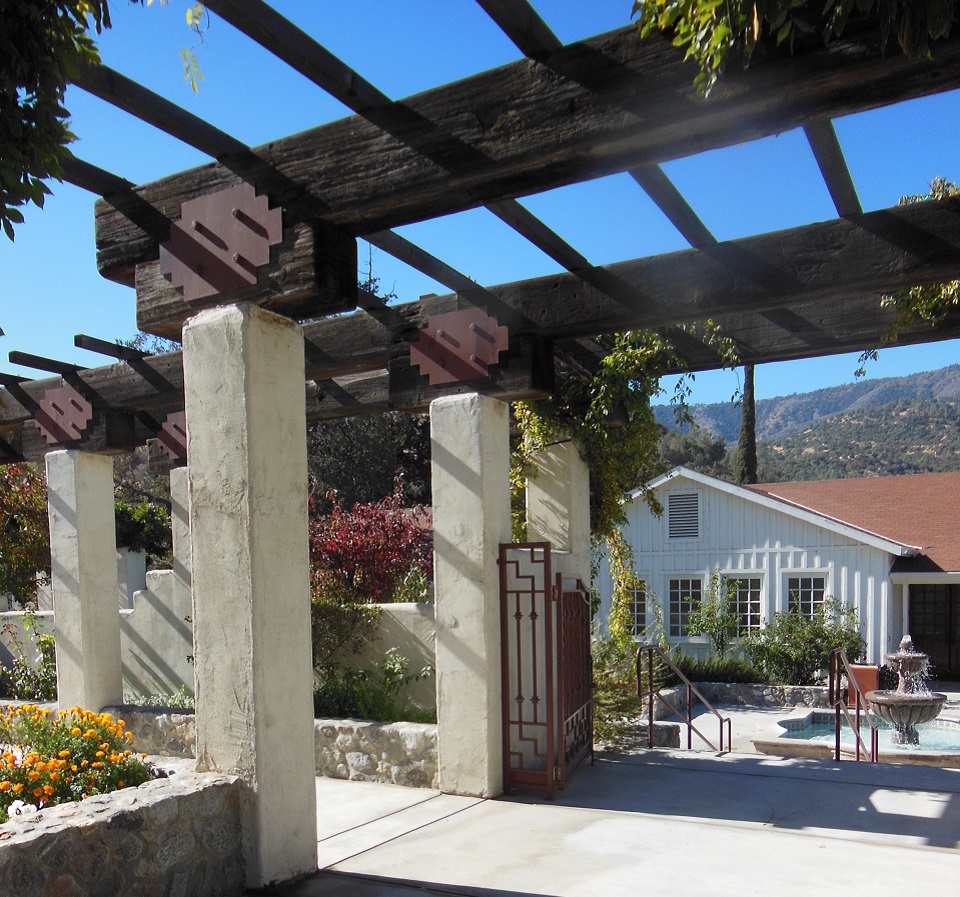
<point x="784" y="506"/>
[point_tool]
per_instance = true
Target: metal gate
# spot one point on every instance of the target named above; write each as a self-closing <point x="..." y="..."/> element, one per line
<point x="547" y="675"/>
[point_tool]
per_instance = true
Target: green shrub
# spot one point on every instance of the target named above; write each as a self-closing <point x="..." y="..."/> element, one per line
<point x="369" y="694"/>
<point x="719" y="669"/>
<point x="793" y="649"/>
<point x="21" y="680"/>
<point x="143" y="527"/>
<point x="179" y="700"/>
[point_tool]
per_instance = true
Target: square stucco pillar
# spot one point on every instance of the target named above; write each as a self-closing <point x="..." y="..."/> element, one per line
<point x="558" y="504"/>
<point x="471" y="516"/>
<point x="246" y="439"/>
<point x="83" y="552"/>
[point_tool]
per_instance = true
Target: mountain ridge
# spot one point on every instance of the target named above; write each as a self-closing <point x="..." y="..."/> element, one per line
<point x="784" y="416"/>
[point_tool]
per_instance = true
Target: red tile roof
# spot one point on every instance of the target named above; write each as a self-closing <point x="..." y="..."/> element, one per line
<point x="920" y="510"/>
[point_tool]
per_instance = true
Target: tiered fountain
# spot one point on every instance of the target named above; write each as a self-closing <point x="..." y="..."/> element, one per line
<point x="912" y="703"/>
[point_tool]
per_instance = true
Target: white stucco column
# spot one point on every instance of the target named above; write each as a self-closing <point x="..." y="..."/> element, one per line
<point x="558" y="505"/>
<point x="180" y="523"/>
<point x="471" y="516"/>
<point x="83" y="551"/>
<point x="246" y="432"/>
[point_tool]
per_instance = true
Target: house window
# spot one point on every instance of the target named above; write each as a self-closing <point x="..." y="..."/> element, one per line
<point x="683" y="515"/>
<point x="638" y="607"/>
<point x="806" y="594"/>
<point x="746" y="600"/>
<point x="685" y="596"/>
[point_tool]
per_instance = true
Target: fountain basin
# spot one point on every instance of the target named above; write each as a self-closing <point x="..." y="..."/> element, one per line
<point x="812" y="736"/>
<point x="905" y="711"/>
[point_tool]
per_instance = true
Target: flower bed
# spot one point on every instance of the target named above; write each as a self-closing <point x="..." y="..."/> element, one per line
<point x="49" y="759"/>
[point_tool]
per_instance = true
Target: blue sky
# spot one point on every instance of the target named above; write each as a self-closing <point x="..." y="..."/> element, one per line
<point x="50" y="289"/>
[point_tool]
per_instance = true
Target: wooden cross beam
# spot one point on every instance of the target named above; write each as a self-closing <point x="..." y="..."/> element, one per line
<point x="799" y="293"/>
<point x="529" y="129"/>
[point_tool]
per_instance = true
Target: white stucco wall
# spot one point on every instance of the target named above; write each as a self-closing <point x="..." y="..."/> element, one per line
<point x="743" y="538"/>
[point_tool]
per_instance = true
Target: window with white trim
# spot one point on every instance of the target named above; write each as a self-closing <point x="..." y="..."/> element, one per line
<point x="684" y="597"/>
<point x="683" y="515"/>
<point x="806" y="594"/>
<point x="745" y="593"/>
<point x="638" y="607"/>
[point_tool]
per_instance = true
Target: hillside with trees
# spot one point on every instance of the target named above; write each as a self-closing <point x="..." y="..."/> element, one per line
<point x="870" y="428"/>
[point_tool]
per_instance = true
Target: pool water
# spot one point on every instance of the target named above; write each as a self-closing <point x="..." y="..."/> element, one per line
<point x="939" y="735"/>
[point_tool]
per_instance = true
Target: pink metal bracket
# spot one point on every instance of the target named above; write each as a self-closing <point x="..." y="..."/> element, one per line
<point x="459" y="345"/>
<point x="63" y="415"/>
<point x="220" y="242"/>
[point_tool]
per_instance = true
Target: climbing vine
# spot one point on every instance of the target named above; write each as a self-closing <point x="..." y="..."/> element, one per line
<point x="715" y="33"/>
<point x="931" y="303"/>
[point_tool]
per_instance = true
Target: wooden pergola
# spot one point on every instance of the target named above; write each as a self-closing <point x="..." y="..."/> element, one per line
<point x="562" y="115"/>
<point x="253" y="259"/>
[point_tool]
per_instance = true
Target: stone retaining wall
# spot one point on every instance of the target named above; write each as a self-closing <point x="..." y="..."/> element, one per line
<point x="743" y="695"/>
<point x="179" y="835"/>
<point x="397" y="753"/>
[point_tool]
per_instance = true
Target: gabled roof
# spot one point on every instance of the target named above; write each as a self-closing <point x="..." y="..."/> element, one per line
<point x="918" y="509"/>
<point x="864" y="530"/>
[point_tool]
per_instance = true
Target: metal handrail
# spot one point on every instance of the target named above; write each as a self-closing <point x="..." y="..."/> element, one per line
<point x="652" y="693"/>
<point x="838" y="700"/>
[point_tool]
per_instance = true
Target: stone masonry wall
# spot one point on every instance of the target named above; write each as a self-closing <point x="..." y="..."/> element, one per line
<point x="743" y="695"/>
<point x="397" y="753"/>
<point x="174" y="836"/>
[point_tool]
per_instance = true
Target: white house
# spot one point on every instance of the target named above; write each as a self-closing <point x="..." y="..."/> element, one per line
<point x="889" y="546"/>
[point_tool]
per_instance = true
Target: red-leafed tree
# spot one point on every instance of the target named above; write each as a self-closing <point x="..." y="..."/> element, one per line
<point x="24" y="529"/>
<point x="365" y="553"/>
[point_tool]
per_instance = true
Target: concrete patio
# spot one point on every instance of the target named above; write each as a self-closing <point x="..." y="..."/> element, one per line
<point x="682" y="823"/>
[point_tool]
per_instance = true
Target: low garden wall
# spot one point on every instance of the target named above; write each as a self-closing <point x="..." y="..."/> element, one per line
<point x="749" y="695"/>
<point x="396" y="753"/>
<point x="178" y="835"/>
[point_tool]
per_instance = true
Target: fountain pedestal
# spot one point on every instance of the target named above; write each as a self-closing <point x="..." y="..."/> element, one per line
<point x="912" y="704"/>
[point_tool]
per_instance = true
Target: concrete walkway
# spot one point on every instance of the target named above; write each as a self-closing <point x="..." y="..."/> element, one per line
<point x="676" y="822"/>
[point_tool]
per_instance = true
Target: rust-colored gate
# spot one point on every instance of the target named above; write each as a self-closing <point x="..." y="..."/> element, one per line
<point x="547" y="675"/>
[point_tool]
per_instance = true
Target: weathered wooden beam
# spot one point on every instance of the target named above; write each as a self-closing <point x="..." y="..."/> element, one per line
<point x="39" y="363"/>
<point x="841" y="264"/>
<point x="109" y="433"/>
<point x="312" y="272"/>
<point x="670" y="201"/>
<point x="112" y="350"/>
<point x="833" y="166"/>
<point x="525" y="128"/>
<point x="832" y="328"/>
<point x="519" y="21"/>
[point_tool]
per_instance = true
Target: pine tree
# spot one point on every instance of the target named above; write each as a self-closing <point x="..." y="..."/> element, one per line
<point x="745" y="469"/>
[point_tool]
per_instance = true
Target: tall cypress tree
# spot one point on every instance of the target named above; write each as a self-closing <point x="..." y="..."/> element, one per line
<point x="745" y="469"/>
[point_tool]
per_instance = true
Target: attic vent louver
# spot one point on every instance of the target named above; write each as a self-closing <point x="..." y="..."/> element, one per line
<point x="683" y="515"/>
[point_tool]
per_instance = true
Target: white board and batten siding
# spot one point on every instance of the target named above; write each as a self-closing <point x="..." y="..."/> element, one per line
<point x="708" y="525"/>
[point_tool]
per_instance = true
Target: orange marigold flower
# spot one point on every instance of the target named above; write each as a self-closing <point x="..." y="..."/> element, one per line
<point x="76" y="731"/>
<point x="63" y="754"/>
<point x="99" y="755"/>
<point x="38" y="792"/>
<point x="48" y="790"/>
<point x="4" y="785"/>
<point x="97" y="765"/>
<point x="17" y="788"/>
<point x="33" y="775"/>
<point x="121" y="784"/>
